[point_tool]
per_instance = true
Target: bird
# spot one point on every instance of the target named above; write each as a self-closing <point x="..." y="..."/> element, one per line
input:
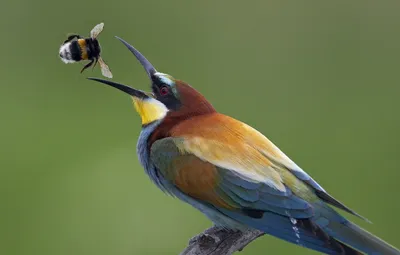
<point x="232" y="173"/>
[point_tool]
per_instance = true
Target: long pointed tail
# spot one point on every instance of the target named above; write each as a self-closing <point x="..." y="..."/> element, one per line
<point x="360" y="239"/>
<point x="328" y="232"/>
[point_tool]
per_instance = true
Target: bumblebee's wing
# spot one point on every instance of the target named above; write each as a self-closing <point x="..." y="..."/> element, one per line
<point x="96" y="30"/>
<point x="105" y="70"/>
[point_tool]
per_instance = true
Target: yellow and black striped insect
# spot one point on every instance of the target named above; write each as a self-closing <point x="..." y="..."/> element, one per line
<point x="76" y="48"/>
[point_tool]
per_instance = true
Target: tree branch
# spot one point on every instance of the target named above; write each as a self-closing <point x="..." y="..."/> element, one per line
<point x="217" y="240"/>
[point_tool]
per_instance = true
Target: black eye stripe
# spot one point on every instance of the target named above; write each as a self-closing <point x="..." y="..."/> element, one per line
<point x="166" y="94"/>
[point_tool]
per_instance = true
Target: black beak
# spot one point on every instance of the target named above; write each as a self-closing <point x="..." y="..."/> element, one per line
<point x="131" y="91"/>
<point x="150" y="70"/>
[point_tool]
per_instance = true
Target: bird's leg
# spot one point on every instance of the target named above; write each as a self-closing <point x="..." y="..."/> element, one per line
<point x="87" y="65"/>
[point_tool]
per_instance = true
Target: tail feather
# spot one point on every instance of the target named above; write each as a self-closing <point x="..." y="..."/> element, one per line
<point x="348" y="233"/>
<point x="360" y="239"/>
<point x="327" y="232"/>
<point x="302" y="232"/>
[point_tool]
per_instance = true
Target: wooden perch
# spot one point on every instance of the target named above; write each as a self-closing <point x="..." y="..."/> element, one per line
<point x="217" y="240"/>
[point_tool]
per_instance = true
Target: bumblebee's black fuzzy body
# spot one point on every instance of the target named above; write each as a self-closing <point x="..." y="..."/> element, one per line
<point x="75" y="50"/>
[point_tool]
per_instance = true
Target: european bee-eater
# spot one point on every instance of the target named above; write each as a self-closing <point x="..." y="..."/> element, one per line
<point x="233" y="174"/>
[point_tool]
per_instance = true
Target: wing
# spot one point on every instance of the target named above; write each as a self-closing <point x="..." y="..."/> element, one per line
<point x="231" y="144"/>
<point x="96" y="30"/>
<point x="262" y="203"/>
<point x="226" y="188"/>
<point x="105" y="70"/>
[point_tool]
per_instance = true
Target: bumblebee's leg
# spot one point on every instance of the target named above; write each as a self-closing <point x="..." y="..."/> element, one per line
<point x="72" y="37"/>
<point x="95" y="63"/>
<point x="87" y="65"/>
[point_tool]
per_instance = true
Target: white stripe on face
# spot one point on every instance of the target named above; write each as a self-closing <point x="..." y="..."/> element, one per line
<point x="165" y="78"/>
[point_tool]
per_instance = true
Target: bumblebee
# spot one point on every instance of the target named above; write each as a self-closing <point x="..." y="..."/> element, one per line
<point x="77" y="48"/>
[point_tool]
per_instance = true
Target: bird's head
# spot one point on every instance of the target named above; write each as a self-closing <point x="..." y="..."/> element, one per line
<point x="169" y="97"/>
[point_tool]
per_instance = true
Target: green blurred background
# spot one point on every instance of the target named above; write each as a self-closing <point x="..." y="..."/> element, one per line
<point x="319" y="78"/>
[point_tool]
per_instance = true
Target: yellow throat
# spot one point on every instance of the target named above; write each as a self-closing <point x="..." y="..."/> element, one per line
<point x="149" y="109"/>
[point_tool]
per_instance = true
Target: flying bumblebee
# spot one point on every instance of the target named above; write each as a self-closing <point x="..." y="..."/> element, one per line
<point x="77" y="48"/>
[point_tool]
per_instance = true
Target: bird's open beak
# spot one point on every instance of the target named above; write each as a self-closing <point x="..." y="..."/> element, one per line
<point x="150" y="70"/>
<point x="149" y="108"/>
<point x="131" y="91"/>
<point x="148" y="67"/>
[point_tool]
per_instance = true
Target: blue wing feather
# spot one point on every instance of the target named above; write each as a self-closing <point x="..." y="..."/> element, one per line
<point x="282" y="227"/>
<point x="262" y="196"/>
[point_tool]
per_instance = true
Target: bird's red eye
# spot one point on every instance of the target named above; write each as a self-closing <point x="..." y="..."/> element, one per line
<point x="164" y="91"/>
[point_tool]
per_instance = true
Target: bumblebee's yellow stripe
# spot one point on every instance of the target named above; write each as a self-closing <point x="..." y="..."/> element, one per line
<point x="82" y="46"/>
